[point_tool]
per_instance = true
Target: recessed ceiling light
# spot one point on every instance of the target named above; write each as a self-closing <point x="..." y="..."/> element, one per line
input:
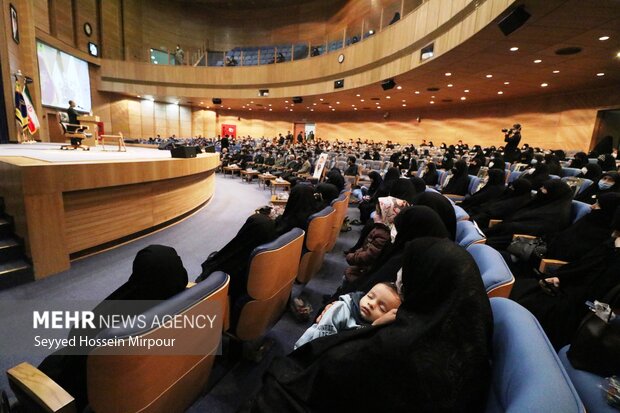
<point x="251" y="101"/>
<point x="202" y="103"/>
<point x="270" y="110"/>
<point x="448" y="74"/>
<point x="600" y="74"/>
<point x="361" y="100"/>
<point x="250" y="109"/>
<point x="500" y="93"/>
<point x="432" y="97"/>
<point x="291" y="110"/>
<point x="463" y="98"/>
<point x="618" y="55"/>
<point x="506" y="83"/>
<point x="404" y="100"/>
<point x="432" y="102"/>
<point x="333" y="109"/>
<point x="466" y="91"/>
<point x="489" y="76"/>
<point x="603" y="38"/>
<point x="358" y="95"/>
<point x="450" y="85"/>
<point x="417" y="92"/>
<point x="544" y="84"/>
<point x="353" y="105"/>
<point x="376" y="103"/>
<point x="378" y="107"/>
<point x="139" y="96"/>
<point x="399" y="87"/>
<point x="556" y="71"/>
<point x="321" y="99"/>
<point x="314" y="104"/>
<point x="354" y="108"/>
<point x="537" y="61"/>
<point x="286" y="101"/>
<point x="337" y="103"/>
<point x="311" y="110"/>
<point x="388" y="97"/>
<point x="514" y="49"/>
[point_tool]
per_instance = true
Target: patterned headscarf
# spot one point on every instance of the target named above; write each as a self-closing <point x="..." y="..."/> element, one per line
<point x="389" y="207"/>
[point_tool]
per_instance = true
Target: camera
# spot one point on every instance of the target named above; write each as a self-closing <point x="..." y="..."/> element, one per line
<point x="505" y="130"/>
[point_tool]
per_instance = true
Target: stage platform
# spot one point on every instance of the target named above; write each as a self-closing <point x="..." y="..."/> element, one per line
<point x="66" y="202"/>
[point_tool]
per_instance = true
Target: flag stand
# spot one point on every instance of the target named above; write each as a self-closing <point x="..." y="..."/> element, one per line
<point x="25" y="136"/>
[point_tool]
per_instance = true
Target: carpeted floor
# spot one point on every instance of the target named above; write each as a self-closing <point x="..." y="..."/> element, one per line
<point x="95" y="277"/>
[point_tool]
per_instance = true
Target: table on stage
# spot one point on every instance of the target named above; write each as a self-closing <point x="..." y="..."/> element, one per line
<point x="93" y="128"/>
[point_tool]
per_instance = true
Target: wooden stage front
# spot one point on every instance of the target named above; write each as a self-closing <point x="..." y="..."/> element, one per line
<point x="67" y="202"/>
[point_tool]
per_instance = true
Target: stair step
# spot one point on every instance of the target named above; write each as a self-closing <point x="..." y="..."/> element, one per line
<point x="14" y="273"/>
<point x="6" y="227"/>
<point x="10" y="249"/>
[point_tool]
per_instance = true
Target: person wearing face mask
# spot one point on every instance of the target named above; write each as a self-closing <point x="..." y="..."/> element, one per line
<point x="513" y="198"/>
<point x="609" y="182"/>
<point x="458" y="183"/>
<point x="429" y="174"/>
<point x="497" y="162"/>
<point x="537" y="173"/>
<point x="558" y="302"/>
<point x="607" y="162"/>
<point x="579" y="160"/>
<point x="547" y="213"/>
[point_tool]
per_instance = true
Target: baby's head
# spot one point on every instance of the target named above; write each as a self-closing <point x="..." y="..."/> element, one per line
<point x="382" y="298"/>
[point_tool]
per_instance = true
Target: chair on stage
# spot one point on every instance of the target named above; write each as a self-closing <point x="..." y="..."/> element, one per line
<point x="74" y="133"/>
<point x="119" y="138"/>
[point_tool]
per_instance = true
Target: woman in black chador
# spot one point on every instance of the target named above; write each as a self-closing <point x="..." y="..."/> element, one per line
<point x="434" y="356"/>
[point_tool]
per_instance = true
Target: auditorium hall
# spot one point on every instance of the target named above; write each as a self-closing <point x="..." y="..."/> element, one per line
<point x="309" y="206"/>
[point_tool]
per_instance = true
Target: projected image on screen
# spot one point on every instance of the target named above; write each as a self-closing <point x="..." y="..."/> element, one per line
<point x="63" y="78"/>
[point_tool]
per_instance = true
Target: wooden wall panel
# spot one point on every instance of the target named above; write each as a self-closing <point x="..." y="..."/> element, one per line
<point x="185" y="121"/>
<point x="119" y="112"/>
<point x="62" y="14"/>
<point x="94" y="217"/>
<point x="147" y="110"/>
<point x="111" y="30"/>
<point x="161" y="127"/>
<point x="86" y="12"/>
<point x="134" y="111"/>
<point x="41" y="15"/>
<point x="135" y="49"/>
<point x="172" y="120"/>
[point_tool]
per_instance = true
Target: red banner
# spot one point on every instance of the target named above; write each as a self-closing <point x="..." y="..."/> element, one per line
<point x="230" y="130"/>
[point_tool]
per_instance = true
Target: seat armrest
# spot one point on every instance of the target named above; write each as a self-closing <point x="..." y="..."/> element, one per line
<point x="494" y="222"/>
<point x="454" y="197"/>
<point x="547" y="265"/>
<point x="40" y="389"/>
<point x="524" y="236"/>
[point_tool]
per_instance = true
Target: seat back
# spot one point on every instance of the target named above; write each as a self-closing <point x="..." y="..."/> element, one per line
<point x="474" y="182"/>
<point x="273" y="268"/>
<point x="514" y="175"/>
<point x="496" y="276"/>
<point x="158" y="383"/>
<point x="526" y="373"/>
<point x="461" y="214"/>
<point x="578" y="209"/>
<point x="317" y="238"/>
<point x="570" y="171"/>
<point x="577" y="184"/>
<point x="468" y="233"/>
<point x="340" y="205"/>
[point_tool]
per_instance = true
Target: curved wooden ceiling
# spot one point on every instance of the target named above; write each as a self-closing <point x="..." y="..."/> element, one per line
<point x="255" y="4"/>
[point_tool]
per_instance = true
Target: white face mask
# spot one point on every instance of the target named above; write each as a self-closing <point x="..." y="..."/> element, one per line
<point x="399" y="281"/>
<point x="584" y="170"/>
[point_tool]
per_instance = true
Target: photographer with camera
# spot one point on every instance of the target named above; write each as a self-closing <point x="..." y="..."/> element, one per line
<point x="512" y="137"/>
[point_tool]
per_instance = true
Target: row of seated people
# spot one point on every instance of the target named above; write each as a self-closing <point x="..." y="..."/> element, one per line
<point x="440" y="333"/>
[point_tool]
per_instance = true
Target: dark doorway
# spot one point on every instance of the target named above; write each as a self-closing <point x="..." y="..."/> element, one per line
<point x="4" y="126"/>
<point x="607" y="124"/>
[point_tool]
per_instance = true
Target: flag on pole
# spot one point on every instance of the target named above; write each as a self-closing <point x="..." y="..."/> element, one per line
<point x="33" y="120"/>
<point x="21" y="111"/>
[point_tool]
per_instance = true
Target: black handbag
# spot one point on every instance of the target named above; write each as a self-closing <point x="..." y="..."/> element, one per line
<point x="523" y="248"/>
<point x="596" y="345"/>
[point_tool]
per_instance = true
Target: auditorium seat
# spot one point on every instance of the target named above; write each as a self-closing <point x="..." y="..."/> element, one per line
<point x="587" y="385"/>
<point x="578" y="210"/>
<point x="468" y="233"/>
<point x="527" y="374"/>
<point x="570" y="171"/>
<point x="317" y="239"/>
<point x="273" y="268"/>
<point x="514" y="175"/>
<point x="461" y="214"/>
<point x="496" y="276"/>
<point x="578" y="184"/>
<point x="132" y="383"/>
<point x="472" y="187"/>
<point x="340" y="205"/>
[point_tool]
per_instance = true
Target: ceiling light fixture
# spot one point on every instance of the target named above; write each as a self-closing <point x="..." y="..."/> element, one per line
<point x="500" y="92"/>
<point x="537" y="61"/>
<point x="463" y="98"/>
<point x="514" y="49"/>
<point x="399" y="87"/>
<point x="404" y="104"/>
<point x="358" y="95"/>
<point x="448" y="74"/>
<point x="600" y="74"/>
<point x="603" y="38"/>
<point x="417" y="92"/>
<point x="544" y="84"/>
<point x="489" y="76"/>
<point x="450" y="85"/>
<point x="466" y="91"/>
<point x="556" y="71"/>
<point x="506" y="83"/>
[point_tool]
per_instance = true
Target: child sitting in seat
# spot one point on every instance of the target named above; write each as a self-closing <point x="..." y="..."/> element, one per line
<point x="354" y="310"/>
